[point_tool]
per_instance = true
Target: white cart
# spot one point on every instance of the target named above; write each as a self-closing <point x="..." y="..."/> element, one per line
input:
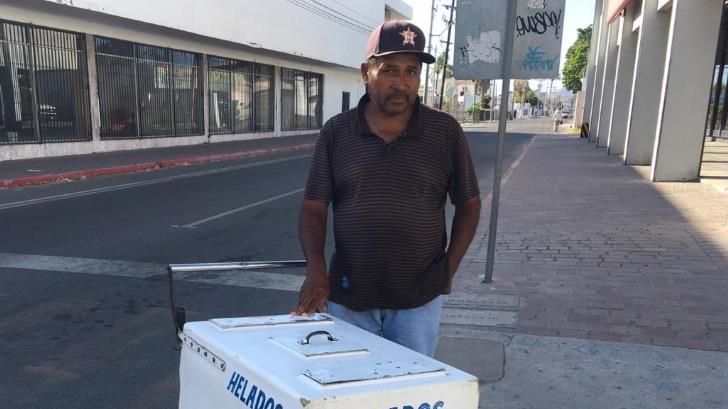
<point x="312" y="362"/>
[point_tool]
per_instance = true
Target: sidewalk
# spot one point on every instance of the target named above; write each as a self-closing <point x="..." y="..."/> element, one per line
<point x="47" y="170"/>
<point x="620" y="285"/>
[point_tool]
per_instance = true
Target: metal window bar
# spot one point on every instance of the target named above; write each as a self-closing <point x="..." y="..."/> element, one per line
<point x="219" y="88"/>
<point x="288" y="113"/>
<point x="148" y="91"/>
<point x="242" y="96"/>
<point x="187" y="93"/>
<point x="155" y="102"/>
<point x="62" y="85"/>
<point x="43" y="85"/>
<point x="116" y="76"/>
<point x="264" y="97"/>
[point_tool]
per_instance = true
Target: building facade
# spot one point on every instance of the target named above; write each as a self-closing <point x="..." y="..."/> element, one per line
<point x="87" y="76"/>
<point x="648" y="82"/>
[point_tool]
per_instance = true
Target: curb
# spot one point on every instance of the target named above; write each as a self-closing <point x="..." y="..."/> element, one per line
<point x="145" y="166"/>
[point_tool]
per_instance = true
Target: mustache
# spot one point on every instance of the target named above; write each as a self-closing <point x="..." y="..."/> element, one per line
<point x="396" y="94"/>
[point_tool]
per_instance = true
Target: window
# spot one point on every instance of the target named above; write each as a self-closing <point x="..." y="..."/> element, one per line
<point x="218" y="83"/>
<point x="345" y="101"/>
<point x="241" y="96"/>
<point x="187" y="93"/>
<point x="43" y="85"/>
<point x="301" y="100"/>
<point x="264" y="97"/>
<point x="147" y="91"/>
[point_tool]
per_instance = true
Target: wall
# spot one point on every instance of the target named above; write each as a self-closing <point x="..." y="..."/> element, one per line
<point x="331" y="29"/>
<point x="337" y="77"/>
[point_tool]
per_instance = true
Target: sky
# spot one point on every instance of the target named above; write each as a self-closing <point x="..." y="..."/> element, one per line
<point x="579" y="14"/>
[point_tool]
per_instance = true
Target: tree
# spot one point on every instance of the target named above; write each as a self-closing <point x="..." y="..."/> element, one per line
<point x="577" y="59"/>
<point x="518" y="87"/>
<point x="440" y="63"/>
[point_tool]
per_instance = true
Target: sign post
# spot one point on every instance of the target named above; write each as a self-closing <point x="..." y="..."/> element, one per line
<point x="527" y="45"/>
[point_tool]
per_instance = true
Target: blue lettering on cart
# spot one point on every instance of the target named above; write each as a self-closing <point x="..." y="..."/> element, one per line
<point x="255" y="399"/>
<point x="438" y="405"/>
<point x="251" y="398"/>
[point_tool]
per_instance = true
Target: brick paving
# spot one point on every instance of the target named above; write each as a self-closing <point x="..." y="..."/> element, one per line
<point x="595" y="251"/>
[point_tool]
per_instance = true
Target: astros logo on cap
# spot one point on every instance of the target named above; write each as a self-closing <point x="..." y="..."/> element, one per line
<point x="409" y="36"/>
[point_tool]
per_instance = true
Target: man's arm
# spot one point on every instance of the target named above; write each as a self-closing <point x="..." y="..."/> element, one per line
<point x="464" y="224"/>
<point x="312" y="234"/>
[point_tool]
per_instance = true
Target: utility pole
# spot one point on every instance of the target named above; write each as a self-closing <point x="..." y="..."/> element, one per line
<point x="523" y="97"/>
<point x="447" y="50"/>
<point x="429" y="49"/>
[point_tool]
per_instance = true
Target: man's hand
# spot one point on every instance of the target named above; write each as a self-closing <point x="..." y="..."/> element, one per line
<point x="312" y="233"/>
<point x="452" y="267"/>
<point x="313" y="295"/>
<point x="464" y="223"/>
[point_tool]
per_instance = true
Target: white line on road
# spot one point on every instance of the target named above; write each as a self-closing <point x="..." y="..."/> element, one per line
<point x="89" y="192"/>
<point x="135" y="269"/>
<point x="81" y="265"/>
<point x="194" y="224"/>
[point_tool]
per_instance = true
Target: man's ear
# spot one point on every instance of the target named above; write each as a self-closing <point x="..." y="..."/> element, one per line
<point x="365" y="72"/>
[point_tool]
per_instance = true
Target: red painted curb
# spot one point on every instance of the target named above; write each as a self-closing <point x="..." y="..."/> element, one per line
<point x="140" y="167"/>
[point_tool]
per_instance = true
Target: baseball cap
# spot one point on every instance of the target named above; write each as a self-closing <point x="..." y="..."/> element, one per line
<point x="397" y="36"/>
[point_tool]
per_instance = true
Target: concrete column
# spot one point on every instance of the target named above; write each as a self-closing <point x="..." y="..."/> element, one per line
<point x="93" y="88"/>
<point x="598" y="75"/>
<point x="623" y="82"/>
<point x="588" y="85"/>
<point x="686" y="84"/>
<point x="647" y="84"/>
<point x="603" y="123"/>
<point x="205" y="97"/>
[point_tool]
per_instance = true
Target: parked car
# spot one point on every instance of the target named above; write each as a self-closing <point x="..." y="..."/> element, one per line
<point x="567" y="115"/>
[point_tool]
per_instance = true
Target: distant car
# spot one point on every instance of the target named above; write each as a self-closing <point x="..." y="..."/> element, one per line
<point x="47" y="112"/>
<point x="567" y="115"/>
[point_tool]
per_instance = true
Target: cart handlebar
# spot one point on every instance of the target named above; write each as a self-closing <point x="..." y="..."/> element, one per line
<point x="178" y="313"/>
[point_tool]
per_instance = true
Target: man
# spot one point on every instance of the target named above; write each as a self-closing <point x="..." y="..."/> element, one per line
<point x="388" y="166"/>
<point x="558" y="117"/>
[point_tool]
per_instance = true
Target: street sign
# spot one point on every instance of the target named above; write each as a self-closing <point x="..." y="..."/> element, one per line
<point x="480" y="38"/>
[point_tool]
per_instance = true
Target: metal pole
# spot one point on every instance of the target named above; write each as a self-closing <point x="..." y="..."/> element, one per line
<point x="447" y="49"/>
<point x="503" y="122"/>
<point x="235" y="265"/>
<point x="429" y="50"/>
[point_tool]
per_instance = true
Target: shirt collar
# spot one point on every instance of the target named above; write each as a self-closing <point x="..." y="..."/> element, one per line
<point x="413" y="126"/>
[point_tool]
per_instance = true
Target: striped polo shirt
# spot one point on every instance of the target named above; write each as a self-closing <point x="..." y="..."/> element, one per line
<point x="389" y="205"/>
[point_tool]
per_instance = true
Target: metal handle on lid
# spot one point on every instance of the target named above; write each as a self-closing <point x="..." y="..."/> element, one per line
<point x="307" y="340"/>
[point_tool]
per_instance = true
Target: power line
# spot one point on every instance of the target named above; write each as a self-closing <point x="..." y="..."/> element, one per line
<point x="357" y="22"/>
<point x="327" y="16"/>
<point x="376" y="23"/>
<point x="330" y="17"/>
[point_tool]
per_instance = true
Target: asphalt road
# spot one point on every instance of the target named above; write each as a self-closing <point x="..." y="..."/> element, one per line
<point x="84" y="311"/>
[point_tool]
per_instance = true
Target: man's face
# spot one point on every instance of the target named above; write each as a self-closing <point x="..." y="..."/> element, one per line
<point x="393" y="81"/>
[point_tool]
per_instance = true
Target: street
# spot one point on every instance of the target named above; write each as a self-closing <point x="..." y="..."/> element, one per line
<point x="83" y="288"/>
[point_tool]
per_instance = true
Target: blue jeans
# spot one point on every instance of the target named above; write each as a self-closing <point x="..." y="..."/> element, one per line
<point x="415" y="328"/>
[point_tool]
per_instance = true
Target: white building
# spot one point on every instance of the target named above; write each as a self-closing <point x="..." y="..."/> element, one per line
<point x="88" y="76"/>
<point x="648" y="83"/>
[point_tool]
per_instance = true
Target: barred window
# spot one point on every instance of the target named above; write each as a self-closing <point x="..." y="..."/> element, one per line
<point x="264" y="97"/>
<point x="241" y="96"/>
<point x="218" y="83"/>
<point x="43" y="85"/>
<point x="301" y="99"/>
<point x="147" y="91"/>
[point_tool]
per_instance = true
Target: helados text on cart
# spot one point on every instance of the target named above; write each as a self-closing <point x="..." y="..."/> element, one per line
<point x="254" y="398"/>
<point x="436" y="405"/>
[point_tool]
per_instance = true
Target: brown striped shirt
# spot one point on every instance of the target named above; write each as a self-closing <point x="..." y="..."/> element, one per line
<point x="389" y="205"/>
